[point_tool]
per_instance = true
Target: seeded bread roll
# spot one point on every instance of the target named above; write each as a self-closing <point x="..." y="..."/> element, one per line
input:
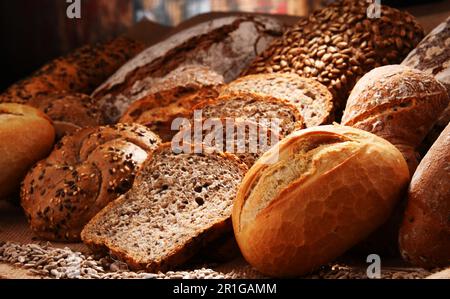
<point x="225" y="45"/>
<point x="80" y="71"/>
<point x="68" y="111"/>
<point x="399" y="104"/>
<point x="330" y="187"/>
<point x="425" y="232"/>
<point x="339" y="44"/>
<point x="312" y="99"/>
<point x="173" y="96"/>
<point x="26" y="136"/>
<point x="83" y="174"/>
<point x="249" y="106"/>
<point x="179" y="204"/>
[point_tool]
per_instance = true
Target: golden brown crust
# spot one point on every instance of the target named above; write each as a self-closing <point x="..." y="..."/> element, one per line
<point x="345" y="184"/>
<point x="399" y="104"/>
<point x="26" y="136"/>
<point x="85" y="171"/>
<point x="425" y="231"/>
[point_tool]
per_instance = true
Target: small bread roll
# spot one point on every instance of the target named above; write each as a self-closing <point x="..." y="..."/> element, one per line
<point x="26" y="136"/>
<point x="315" y="195"/>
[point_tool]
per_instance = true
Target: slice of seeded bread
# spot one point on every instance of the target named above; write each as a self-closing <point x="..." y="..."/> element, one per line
<point x="250" y="106"/>
<point x="313" y="99"/>
<point x="179" y="203"/>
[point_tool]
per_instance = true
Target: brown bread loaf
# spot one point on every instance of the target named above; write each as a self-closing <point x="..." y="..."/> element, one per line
<point x="329" y="189"/>
<point x="399" y="104"/>
<point x="225" y="45"/>
<point x="254" y="107"/>
<point x="26" y="136"/>
<point x="425" y="232"/>
<point x="83" y="174"/>
<point x="179" y="203"/>
<point x="312" y="99"/>
<point x="80" y="71"/>
<point x="338" y="44"/>
<point x="173" y="96"/>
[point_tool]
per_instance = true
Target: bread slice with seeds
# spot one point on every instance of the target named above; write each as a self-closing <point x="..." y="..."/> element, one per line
<point x="312" y="99"/>
<point x="179" y="203"/>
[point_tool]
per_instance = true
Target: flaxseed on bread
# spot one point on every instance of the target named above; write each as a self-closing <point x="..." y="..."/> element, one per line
<point x="313" y="99"/>
<point x="85" y="171"/>
<point x="178" y="204"/>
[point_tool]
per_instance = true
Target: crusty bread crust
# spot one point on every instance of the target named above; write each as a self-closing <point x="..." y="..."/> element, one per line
<point x="26" y="136"/>
<point x="425" y="231"/>
<point x="346" y="187"/>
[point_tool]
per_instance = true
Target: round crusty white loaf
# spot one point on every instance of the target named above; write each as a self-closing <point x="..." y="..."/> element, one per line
<point x="329" y="188"/>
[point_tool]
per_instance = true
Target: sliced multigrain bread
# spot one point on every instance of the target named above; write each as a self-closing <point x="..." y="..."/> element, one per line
<point x="313" y="99"/>
<point x="173" y="96"/>
<point x="179" y="203"/>
<point x="254" y="107"/>
<point x="246" y="139"/>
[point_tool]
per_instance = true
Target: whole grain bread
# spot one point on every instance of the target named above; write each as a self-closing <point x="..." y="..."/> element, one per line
<point x="338" y="44"/>
<point x="83" y="174"/>
<point x="266" y="111"/>
<point x="225" y="45"/>
<point x="312" y="99"/>
<point x="179" y="203"/>
<point x="399" y="104"/>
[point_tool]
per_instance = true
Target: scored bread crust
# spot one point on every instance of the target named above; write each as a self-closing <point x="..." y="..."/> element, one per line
<point x="287" y="126"/>
<point x="425" y="232"/>
<point x="26" y="136"/>
<point x="399" y="104"/>
<point x="348" y="186"/>
<point x="182" y="252"/>
<point x="84" y="172"/>
<point x="303" y="92"/>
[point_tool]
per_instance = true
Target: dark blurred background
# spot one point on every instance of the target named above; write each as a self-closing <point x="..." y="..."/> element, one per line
<point x="35" y="31"/>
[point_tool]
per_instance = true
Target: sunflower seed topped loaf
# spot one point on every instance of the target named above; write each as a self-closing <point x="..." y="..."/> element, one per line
<point x="225" y="45"/>
<point x="399" y="104"/>
<point x="179" y="203"/>
<point x="80" y="71"/>
<point x="249" y="106"/>
<point x="340" y="43"/>
<point x="173" y="96"/>
<point x="313" y="100"/>
<point x="68" y="111"/>
<point x="83" y="174"/>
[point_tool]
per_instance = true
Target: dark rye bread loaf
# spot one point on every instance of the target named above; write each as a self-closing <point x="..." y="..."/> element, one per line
<point x="313" y="100"/>
<point x="250" y="106"/>
<point x="68" y="111"/>
<point x="225" y="45"/>
<point x="339" y="44"/>
<point x="80" y="71"/>
<point x="83" y="174"/>
<point x="173" y="96"/>
<point x="179" y="204"/>
<point x="246" y="139"/>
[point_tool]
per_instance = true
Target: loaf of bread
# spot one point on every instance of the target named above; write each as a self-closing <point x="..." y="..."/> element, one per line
<point x="225" y="45"/>
<point x="83" y="174"/>
<point x="80" y="71"/>
<point x="330" y="188"/>
<point x="339" y="44"/>
<point x="432" y="56"/>
<point x="312" y="99"/>
<point x="399" y="104"/>
<point x="178" y="204"/>
<point x="68" y="111"/>
<point x="425" y="232"/>
<point x="266" y="111"/>
<point x="173" y="96"/>
<point x="26" y="136"/>
<point x="246" y="139"/>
